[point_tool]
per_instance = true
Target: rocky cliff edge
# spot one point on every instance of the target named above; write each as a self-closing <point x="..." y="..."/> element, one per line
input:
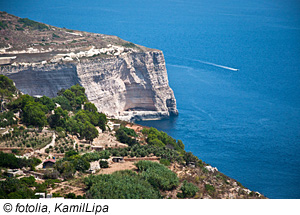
<point x="122" y="79"/>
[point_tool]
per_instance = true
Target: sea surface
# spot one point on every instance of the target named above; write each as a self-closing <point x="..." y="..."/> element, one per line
<point x="234" y="67"/>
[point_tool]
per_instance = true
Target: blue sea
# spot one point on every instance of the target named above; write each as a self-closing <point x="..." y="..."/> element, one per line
<point x="234" y="66"/>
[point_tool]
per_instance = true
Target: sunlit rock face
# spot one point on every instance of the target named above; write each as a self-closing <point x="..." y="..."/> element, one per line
<point x="131" y="86"/>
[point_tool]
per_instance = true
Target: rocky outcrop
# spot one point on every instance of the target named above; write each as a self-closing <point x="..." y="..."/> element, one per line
<point x="130" y="86"/>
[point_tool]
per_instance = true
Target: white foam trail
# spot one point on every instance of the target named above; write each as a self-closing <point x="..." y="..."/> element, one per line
<point x="216" y="65"/>
<point x="211" y="64"/>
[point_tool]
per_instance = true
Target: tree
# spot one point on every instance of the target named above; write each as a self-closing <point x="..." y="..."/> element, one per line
<point x="61" y="92"/>
<point x="7" y="87"/>
<point x="59" y="118"/>
<point x="12" y="188"/>
<point x="20" y="103"/>
<point x="90" y="107"/>
<point x="65" y="168"/>
<point x="102" y="121"/>
<point x="78" y="90"/>
<point x="180" y="144"/>
<point x="44" y="100"/>
<point x="103" y="164"/>
<point x="89" y="132"/>
<point x="81" y="164"/>
<point x="33" y="114"/>
<point x="81" y="116"/>
<point x="70" y="154"/>
<point x="124" y="138"/>
<point x="189" y="157"/>
<point x="69" y="95"/>
<point x="51" y="174"/>
<point x="63" y="102"/>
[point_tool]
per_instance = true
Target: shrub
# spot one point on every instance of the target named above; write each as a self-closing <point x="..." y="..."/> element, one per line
<point x="55" y="36"/>
<point x="189" y="157"/>
<point x="3" y="26"/>
<point x="165" y="162"/>
<point x="103" y="164"/>
<point x="124" y="138"/>
<point x="81" y="164"/>
<point x="29" y="181"/>
<point x="129" y="131"/>
<point x="158" y="175"/>
<point x="120" y="185"/>
<point x="210" y="189"/>
<point x="65" y="168"/>
<point x="70" y="196"/>
<point x="129" y="45"/>
<point x="12" y="188"/>
<point x="51" y="174"/>
<point x="15" y="151"/>
<point x="189" y="190"/>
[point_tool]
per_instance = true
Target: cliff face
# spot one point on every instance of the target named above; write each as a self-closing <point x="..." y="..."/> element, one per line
<point x="130" y="87"/>
<point x="124" y="80"/>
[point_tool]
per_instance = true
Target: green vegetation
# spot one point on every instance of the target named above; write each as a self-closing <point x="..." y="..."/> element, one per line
<point x="190" y="158"/>
<point x="32" y="24"/>
<point x="189" y="190"/>
<point x="128" y="131"/>
<point x="2" y="25"/>
<point x="71" y="163"/>
<point x="37" y="111"/>
<point x="120" y="185"/>
<point x="103" y="164"/>
<point x="25" y="188"/>
<point x="55" y="36"/>
<point x="21" y="137"/>
<point x="129" y="45"/>
<point x="158" y="175"/>
<point x="147" y="150"/>
<point x="73" y="196"/>
<point x="8" y="160"/>
<point x="13" y="188"/>
<point x="7" y="118"/>
<point x="7" y="87"/>
<point x="165" y="162"/>
<point x="20" y="29"/>
<point x="73" y="98"/>
<point x="210" y="189"/>
<point x="161" y="139"/>
<point x="122" y="136"/>
<point x="51" y="174"/>
<point x="94" y="156"/>
<point x="34" y="114"/>
<point x="65" y="168"/>
<point x="44" y="100"/>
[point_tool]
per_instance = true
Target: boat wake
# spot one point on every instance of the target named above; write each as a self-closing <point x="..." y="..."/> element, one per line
<point x="209" y="63"/>
<point x="216" y="65"/>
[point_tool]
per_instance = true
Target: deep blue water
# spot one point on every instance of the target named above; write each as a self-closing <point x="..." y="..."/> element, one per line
<point x="245" y="122"/>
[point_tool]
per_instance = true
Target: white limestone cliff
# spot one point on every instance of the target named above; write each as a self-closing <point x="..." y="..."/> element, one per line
<point x="131" y="86"/>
